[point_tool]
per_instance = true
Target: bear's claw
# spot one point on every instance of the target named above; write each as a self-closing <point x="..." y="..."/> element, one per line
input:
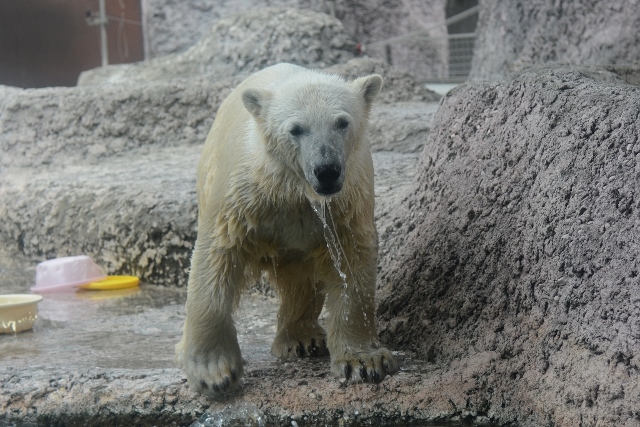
<point x="290" y="348"/>
<point x="220" y="386"/>
<point x="372" y="367"/>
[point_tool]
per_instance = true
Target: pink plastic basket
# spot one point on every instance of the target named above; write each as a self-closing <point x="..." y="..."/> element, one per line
<point x="62" y="273"/>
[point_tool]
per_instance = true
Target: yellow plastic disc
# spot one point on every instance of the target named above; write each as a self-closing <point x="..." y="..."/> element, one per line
<point x="112" y="283"/>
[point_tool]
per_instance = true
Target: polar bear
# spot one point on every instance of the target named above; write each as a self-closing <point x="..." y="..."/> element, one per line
<point x="285" y="188"/>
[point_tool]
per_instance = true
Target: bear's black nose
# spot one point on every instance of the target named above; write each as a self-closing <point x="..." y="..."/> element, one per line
<point x="327" y="174"/>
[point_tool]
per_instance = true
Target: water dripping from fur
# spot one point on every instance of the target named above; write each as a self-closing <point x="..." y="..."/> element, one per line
<point x="331" y="236"/>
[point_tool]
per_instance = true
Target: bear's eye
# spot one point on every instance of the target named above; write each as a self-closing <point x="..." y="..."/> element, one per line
<point x="296" y="130"/>
<point x="342" y="123"/>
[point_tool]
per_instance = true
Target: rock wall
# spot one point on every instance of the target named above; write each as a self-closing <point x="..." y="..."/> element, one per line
<point x="372" y="22"/>
<point x="106" y="171"/>
<point x="517" y="246"/>
<point x="514" y="34"/>
<point x="78" y="126"/>
<point x="242" y="44"/>
<point x="109" y="170"/>
<point x="173" y="27"/>
<point x="67" y="126"/>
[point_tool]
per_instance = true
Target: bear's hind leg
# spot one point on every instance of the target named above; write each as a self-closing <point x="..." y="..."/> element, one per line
<point x="299" y="334"/>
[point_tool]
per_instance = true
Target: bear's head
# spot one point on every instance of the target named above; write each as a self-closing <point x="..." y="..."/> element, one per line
<point x="313" y="122"/>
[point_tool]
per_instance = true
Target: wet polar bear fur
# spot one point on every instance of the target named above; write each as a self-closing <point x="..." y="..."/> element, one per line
<point x="286" y="140"/>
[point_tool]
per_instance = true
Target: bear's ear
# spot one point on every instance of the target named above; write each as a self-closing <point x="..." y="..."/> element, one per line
<point x="256" y="101"/>
<point x="369" y="87"/>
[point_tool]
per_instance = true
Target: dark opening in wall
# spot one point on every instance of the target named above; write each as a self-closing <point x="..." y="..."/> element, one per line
<point x="461" y="38"/>
<point x="48" y="42"/>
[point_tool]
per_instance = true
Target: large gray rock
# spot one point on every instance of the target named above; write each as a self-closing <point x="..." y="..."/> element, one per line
<point x="109" y="170"/>
<point x="518" y="245"/>
<point x="78" y="126"/>
<point x="242" y="44"/>
<point x="173" y="27"/>
<point x="134" y="214"/>
<point x="583" y="32"/>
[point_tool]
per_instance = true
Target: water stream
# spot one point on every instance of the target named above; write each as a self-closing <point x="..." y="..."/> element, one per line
<point x="331" y="236"/>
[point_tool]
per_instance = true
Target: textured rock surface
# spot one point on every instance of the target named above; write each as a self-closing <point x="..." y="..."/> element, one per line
<point x="398" y="85"/>
<point x="119" y="189"/>
<point x="242" y="44"/>
<point x="375" y="22"/>
<point x="518" y="245"/>
<point x="172" y="27"/>
<point x="75" y="126"/>
<point x="133" y="215"/>
<point x="107" y="361"/>
<point x="401" y="126"/>
<point x="67" y="126"/>
<point x="122" y="190"/>
<point x="539" y="32"/>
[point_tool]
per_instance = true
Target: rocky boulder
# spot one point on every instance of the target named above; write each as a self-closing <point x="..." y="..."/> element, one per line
<point x="242" y="44"/>
<point x="584" y="32"/>
<point x="173" y="27"/>
<point x="78" y="126"/>
<point x="516" y="249"/>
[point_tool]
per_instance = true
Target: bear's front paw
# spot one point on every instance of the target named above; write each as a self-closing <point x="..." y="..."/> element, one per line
<point x="214" y="371"/>
<point x="307" y="343"/>
<point x="369" y="366"/>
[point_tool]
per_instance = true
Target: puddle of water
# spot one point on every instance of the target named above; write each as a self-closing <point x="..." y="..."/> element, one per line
<point x="86" y="329"/>
<point x="132" y="329"/>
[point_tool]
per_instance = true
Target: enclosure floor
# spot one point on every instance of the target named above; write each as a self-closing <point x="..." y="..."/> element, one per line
<point x="106" y="358"/>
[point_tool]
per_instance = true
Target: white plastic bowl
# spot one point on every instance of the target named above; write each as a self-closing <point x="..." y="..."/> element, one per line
<point x="18" y="312"/>
<point x="62" y="273"/>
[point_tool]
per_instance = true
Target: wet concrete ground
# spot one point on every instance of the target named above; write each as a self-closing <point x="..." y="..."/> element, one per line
<point x="106" y="358"/>
<point x="127" y="329"/>
<point x="122" y="329"/>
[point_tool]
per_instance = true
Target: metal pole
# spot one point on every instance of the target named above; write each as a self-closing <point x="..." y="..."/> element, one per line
<point x="104" y="52"/>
